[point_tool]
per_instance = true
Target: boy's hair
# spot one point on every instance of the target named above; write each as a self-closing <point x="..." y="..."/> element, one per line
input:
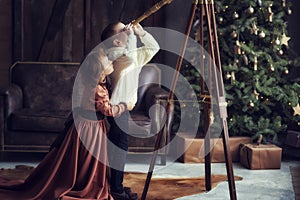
<point x="109" y="31"/>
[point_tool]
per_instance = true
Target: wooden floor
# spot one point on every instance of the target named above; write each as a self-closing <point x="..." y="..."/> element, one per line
<point x="295" y="172"/>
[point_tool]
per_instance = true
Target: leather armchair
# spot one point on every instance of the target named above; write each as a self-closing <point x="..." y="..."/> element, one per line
<point x="149" y="114"/>
<point x="37" y="103"/>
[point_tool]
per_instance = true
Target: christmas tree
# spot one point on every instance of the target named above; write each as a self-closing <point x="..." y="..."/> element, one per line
<point x="254" y="48"/>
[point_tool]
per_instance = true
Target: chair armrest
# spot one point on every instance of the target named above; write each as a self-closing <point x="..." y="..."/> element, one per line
<point x="155" y="95"/>
<point x="159" y="97"/>
<point x="13" y="99"/>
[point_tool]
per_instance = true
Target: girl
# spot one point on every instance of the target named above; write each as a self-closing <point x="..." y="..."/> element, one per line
<point x="77" y="168"/>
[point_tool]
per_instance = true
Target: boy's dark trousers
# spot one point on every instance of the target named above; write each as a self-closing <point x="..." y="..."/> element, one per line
<point x="117" y="150"/>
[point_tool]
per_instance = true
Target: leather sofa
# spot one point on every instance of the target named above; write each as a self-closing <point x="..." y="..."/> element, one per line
<point x="38" y="101"/>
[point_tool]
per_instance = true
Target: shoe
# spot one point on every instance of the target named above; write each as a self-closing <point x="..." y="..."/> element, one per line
<point x="132" y="195"/>
<point x="124" y="195"/>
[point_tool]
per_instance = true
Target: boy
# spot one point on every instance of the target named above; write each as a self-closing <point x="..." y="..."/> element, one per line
<point x="128" y="60"/>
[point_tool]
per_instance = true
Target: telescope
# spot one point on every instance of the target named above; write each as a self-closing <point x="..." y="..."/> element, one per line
<point x="152" y="10"/>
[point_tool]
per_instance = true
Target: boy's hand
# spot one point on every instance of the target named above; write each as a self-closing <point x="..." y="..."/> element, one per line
<point x="128" y="29"/>
<point x="138" y="30"/>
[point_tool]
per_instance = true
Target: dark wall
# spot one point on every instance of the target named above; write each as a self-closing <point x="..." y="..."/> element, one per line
<point x="294" y="28"/>
<point x="5" y="40"/>
<point x="66" y="30"/>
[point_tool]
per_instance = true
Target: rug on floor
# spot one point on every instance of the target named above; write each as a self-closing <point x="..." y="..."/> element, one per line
<point x="159" y="189"/>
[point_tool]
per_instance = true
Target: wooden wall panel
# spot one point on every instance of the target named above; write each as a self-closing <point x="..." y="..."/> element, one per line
<point x="5" y="41"/>
<point x="65" y="30"/>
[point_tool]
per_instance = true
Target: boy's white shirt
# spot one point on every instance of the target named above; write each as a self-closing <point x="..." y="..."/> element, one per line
<point x="128" y="63"/>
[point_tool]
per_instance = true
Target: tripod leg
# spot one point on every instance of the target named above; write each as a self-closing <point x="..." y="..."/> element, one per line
<point x="178" y="66"/>
<point x="209" y="9"/>
<point x="228" y="159"/>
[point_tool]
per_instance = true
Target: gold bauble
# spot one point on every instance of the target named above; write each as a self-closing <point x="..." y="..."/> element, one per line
<point x="251" y="104"/>
<point x="250" y="10"/>
<point x="262" y="34"/>
<point x="235" y="15"/>
<point x="233" y="34"/>
<point x="227" y="76"/>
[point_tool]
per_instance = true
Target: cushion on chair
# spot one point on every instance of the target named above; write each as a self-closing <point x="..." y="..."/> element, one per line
<point x="37" y="120"/>
<point x="139" y="124"/>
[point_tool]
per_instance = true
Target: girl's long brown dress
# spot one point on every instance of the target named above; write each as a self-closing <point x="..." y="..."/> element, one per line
<point x="75" y="170"/>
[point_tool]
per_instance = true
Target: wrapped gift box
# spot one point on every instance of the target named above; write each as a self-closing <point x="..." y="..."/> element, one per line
<point x="263" y="156"/>
<point x="191" y="148"/>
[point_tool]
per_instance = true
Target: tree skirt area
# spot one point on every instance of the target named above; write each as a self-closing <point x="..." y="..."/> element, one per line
<point x="160" y="188"/>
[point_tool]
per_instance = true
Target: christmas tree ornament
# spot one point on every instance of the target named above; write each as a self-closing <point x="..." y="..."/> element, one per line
<point x="280" y="52"/>
<point x="289" y="11"/>
<point x="285" y="39"/>
<point x="251" y="104"/>
<point x="286" y="71"/>
<point x="272" y="69"/>
<point x="233" y="76"/>
<point x="269" y="14"/>
<point x="296" y="110"/>
<point x="234" y="34"/>
<point x="256" y="94"/>
<point x="259" y="2"/>
<point x="227" y="76"/>
<point x="262" y="34"/>
<point x="283" y="3"/>
<point x="235" y="15"/>
<point x="236" y="61"/>
<point x="250" y="10"/>
<point x="254" y="29"/>
<point x="277" y="41"/>
<point x="255" y="63"/>
<point x="237" y="47"/>
<point x="245" y="58"/>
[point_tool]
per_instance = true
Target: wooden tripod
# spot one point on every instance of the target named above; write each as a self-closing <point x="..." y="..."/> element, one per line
<point x="206" y="9"/>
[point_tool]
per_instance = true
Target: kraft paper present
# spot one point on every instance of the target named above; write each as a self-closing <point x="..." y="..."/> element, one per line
<point x="191" y="147"/>
<point x="263" y="156"/>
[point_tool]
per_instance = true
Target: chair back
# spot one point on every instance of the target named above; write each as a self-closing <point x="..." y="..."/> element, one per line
<point x="150" y="76"/>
